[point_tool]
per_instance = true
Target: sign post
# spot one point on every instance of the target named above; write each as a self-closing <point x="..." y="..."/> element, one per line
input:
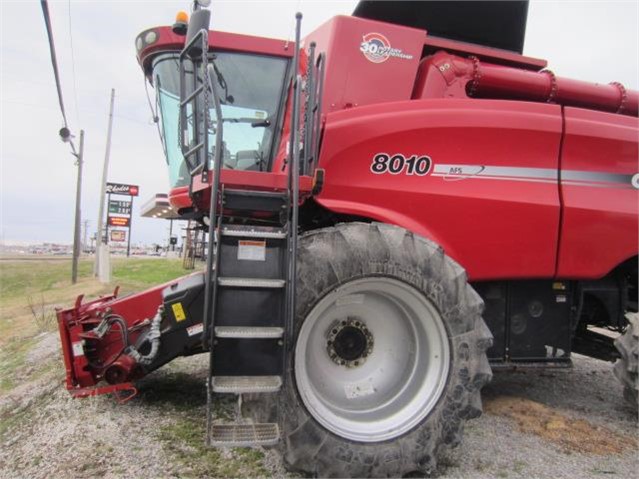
<point x="128" y="244"/>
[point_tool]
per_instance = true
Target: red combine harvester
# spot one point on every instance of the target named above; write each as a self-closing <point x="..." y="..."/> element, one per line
<point x="390" y="206"/>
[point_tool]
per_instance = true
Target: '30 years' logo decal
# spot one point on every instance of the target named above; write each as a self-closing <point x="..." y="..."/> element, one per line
<point x="399" y="164"/>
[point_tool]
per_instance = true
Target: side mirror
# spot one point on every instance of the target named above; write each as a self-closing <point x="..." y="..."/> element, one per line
<point x="200" y="20"/>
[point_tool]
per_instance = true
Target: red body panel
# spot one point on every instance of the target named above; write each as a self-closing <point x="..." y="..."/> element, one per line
<point x="600" y="211"/>
<point x="351" y="79"/>
<point x="495" y="227"/>
<point x="240" y="179"/>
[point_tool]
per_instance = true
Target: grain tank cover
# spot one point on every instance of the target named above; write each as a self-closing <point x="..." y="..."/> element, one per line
<point x="496" y="24"/>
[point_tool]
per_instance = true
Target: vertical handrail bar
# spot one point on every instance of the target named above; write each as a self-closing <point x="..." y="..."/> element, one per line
<point x="293" y="196"/>
<point x="212" y="260"/>
<point x="308" y="109"/>
<point x="321" y="61"/>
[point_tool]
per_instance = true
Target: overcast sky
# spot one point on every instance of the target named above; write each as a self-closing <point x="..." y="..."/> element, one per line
<point x="594" y="41"/>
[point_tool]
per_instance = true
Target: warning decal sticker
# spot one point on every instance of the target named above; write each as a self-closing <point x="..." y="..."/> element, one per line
<point x="251" y="250"/>
<point x="178" y="312"/>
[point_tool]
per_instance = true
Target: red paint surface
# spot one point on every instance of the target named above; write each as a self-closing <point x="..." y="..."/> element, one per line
<point x="75" y="324"/>
<point x="494" y="228"/>
<point x="600" y="223"/>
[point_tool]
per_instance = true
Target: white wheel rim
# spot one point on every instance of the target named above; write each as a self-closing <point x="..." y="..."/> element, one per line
<point x="399" y="382"/>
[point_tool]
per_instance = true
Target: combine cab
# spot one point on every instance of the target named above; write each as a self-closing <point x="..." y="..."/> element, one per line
<point x="387" y="211"/>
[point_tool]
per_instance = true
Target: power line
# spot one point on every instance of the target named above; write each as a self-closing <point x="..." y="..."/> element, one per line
<point x="54" y="63"/>
<point x="75" y="85"/>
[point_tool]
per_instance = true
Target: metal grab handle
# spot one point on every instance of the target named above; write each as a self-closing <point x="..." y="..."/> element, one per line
<point x="200" y="108"/>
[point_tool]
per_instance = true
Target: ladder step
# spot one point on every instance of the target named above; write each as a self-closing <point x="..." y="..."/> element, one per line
<point x="248" y="332"/>
<point x="254" y="232"/>
<point x="246" y="384"/>
<point x="245" y="435"/>
<point x="251" y="282"/>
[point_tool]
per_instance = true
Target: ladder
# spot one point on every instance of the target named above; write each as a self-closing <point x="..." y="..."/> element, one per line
<point x="249" y="298"/>
<point x="251" y="288"/>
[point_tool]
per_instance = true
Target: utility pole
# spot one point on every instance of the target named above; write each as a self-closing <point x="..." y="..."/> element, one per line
<point x="78" y="214"/>
<point x="85" y="235"/>
<point x="101" y="251"/>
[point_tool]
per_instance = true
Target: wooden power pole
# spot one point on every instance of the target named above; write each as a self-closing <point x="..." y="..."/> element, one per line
<point x="78" y="214"/>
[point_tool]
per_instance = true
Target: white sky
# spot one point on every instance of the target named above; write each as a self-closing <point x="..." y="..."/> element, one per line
<point x="594" y="41"/>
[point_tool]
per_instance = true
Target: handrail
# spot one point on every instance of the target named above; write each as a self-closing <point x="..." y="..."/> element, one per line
<point x="321" y="62"/>
<point x="309" y="109"/>
<point x="200" y="108"/>
<point x="212" y="258"/>
<point x="293" y="194"/>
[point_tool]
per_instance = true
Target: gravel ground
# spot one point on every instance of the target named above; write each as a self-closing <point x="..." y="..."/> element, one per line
<point x="585" y="403"/>
<point x="542" y="424"/>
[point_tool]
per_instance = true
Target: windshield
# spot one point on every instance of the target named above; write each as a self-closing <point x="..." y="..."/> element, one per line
<point x="250" y="88"/>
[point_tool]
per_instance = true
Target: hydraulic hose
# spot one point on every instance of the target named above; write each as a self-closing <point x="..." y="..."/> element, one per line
<point x="111" y="319"/>
<point x="153" y="337"/>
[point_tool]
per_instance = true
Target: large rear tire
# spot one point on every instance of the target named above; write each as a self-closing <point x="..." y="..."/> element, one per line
<point x="390" y="354"/>
<point x="626" y="368"/>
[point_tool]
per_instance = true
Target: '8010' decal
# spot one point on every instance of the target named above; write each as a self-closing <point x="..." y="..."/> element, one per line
<point x="399" y="164"/>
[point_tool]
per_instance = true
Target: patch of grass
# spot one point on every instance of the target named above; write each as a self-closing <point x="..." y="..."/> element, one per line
<point x="16" y="369"/>
<point x="21" y="417"/>
<point x="23" y="278"/>
<point x="185" y="440"/>
<point x="519" y="466"/>
<point x="148" y="272"/>
<point x="43" y="316"/>
<point x="31" y="288"/>
<point x="12" y="359"/>
<point x="20" y="279"/>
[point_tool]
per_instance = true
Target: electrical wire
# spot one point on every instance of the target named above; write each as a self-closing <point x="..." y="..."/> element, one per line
<point x="54" y="63"/>
<point x="75" y="85"/>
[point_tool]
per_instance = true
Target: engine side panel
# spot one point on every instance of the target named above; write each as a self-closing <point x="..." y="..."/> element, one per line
<point x="600" y="206"/>
<point x="490" y="196"/>
<point x="366" y="61"/>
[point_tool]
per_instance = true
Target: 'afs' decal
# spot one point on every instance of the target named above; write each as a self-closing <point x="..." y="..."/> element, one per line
<point x="398" y="164"/>
<point x="377" y="49"/>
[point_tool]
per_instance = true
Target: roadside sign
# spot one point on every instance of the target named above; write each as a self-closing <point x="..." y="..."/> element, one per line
<point x="118" y="235"/>
<point x="122" y="189"/>
<point x="119" y="221"/>
<point x="120" y="207"/>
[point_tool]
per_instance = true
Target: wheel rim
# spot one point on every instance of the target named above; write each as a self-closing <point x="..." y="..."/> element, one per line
<point x="404" y="371"/>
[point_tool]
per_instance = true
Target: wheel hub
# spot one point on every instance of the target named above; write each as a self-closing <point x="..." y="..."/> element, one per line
<point x="349" y="342"/>
<point x="365" y="391"/>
